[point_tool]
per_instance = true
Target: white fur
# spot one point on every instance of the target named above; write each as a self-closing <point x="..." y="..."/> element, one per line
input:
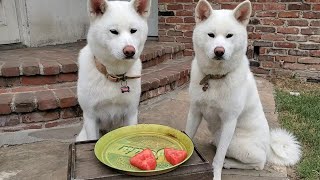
<point x="104" y="106"/>
<point x="231" y="105"/>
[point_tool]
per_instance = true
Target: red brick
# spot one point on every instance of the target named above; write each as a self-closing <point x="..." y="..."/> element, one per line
<point x="274" y="6"/>
<point x="67" y="77"/>
<point x="314" y="38"/>
<point x="68" y="66"/>
<point x="297" y="22"/>
<point x="294" y="66"/>
<point x="228" y="6"/>
<point x="266" y="58"/>
<point x="66" y="98"/>
<point x="184" y="13"/>
<point x="166" y="26"/>
<point x="5" y="103"/>
<point x="49" y="68"/>
<point x="285" y="45"/>
<point x="254" y="36"/>
<point x="189" y="20"/>
<point x="267" y="64"/>
<point x="40" y="116"/>
<point x="188" y="34"/>
<point x="13" y="81"/>
<point x="311" y="31"/>
<point x="30" y="68"/>
<point x="265" y="29"/>
<point x="266" y="14"/>
<point x="184" y="39"/>
<point x="272" y="22"/>
<point x="310" y="46"/>
<point x="174" y="6"/>
<point x="10" y="69"/>
<point x="263" y="43"/>
<point x="174" y="33"/>
<point x="316" y="7"/>
<point x="38" y="80"/>
<point x="311" y="15"/>
<point x="277" y="51"/>
<point x="46" y="100"/>
<point x="287" y="30"/>
<point x="294" y="52"/>
<point x="174" y="20"/>
<point x="291" y="59"/>
<point x="309" y="60"/>
<point x="288" y="14"/>
<point x="273" y="37"/>
<point x="257" y="7"/>
<point x="297" y="38"/>
<point x="24" y="102"/>
<point x="250" y="28"/>
<point x="300" y="7"/>
<point x="315" y="53"/>
<point x="10" y="120"/>
<point x="315" y="23"/>
<point x="185" y="27"/>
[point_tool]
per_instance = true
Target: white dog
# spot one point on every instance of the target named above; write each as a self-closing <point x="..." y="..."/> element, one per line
<point x="223" y="92"/>
<point x="109" y="84"/>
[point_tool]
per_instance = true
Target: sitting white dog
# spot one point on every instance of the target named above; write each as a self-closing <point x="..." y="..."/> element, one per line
<point x="224" y="93"/>
<point x="109" y="84"/>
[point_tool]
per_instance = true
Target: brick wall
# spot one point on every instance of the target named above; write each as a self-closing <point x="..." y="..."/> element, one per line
<point x="284" y="35"/>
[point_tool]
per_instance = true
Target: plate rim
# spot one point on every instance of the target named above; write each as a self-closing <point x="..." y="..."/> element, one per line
<point x="142" y="172"/>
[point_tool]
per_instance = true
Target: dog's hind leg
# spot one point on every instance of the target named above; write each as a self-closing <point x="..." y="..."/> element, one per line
<point x="247" y="154"/>
<point x="194" y="120"/>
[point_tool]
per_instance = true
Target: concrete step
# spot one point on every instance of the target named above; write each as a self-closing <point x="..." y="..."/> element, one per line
<point x="58" y="64"/>
<point x="46" y="106"/>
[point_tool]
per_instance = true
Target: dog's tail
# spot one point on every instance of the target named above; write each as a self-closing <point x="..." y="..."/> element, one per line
<point x="285" y="149"/>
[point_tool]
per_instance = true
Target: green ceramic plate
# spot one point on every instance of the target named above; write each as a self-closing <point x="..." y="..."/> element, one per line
<point x="117" y="147"/>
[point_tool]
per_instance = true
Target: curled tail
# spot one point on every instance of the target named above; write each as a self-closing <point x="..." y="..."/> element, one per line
<point x="285" y="149"/>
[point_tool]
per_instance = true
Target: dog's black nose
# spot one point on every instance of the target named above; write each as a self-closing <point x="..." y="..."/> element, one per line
<point x="219" y="51"/>
<point x="129" y="51"/>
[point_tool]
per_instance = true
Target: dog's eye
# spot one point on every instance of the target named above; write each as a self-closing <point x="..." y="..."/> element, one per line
<point x="211" y="35"/>
<point x="229" y="35"/>
<point x="133" y="31"/>
<point x="113" y="31"/>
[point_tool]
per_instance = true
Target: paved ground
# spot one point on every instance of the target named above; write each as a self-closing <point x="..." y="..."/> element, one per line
<point x="43" y="154"/>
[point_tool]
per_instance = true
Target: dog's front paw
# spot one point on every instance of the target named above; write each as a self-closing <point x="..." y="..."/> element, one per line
<point x="227" y="164"/>
<point x="217" y="175"/>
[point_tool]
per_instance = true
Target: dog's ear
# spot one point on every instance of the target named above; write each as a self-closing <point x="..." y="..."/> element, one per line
<point x="243" y="12"/>
<point x="96" y="8"/>
<point x="142" y="7"/>
<point x="203" y="11"/>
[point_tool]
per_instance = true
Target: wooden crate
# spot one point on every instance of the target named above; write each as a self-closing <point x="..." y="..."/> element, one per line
<point x="84" y="165"/>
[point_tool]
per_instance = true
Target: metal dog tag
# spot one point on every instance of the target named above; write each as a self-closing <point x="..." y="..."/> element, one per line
<point x="125" y="89"/>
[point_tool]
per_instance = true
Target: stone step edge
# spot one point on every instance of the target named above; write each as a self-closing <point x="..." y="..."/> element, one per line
<point x="52" y="68"/>
<point x="46" y="109"/>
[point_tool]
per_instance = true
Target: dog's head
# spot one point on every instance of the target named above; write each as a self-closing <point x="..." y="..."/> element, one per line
<point x="118" y="30"/>
<point x="220" y="35"/>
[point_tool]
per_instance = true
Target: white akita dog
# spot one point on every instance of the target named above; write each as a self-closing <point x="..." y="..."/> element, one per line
<point x="109" y="84"/>
<point x="223" y="92"/>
